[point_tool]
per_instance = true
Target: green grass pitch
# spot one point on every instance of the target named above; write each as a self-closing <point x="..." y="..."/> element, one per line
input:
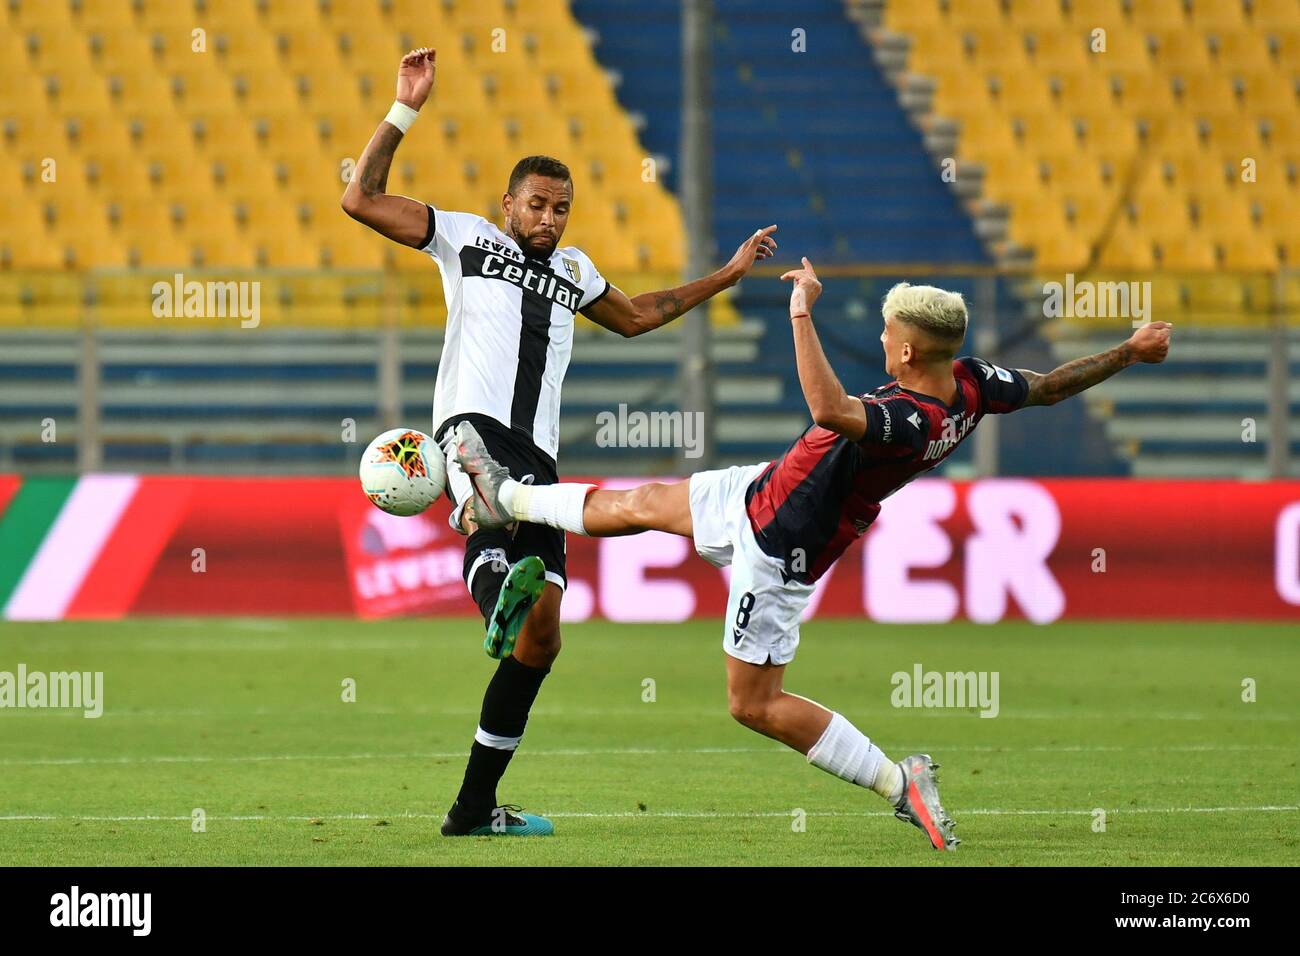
<point x="245" y="720"/>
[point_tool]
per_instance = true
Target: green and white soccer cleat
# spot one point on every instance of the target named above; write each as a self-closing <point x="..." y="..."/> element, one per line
<point x="519" y="592"/>
<point x="920" y="804"/>
<point x="486" y="476"/>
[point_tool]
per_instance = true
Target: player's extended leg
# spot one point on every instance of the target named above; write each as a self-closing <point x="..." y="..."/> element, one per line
<point x="506" y="704"/>
<point x="758" y="700"/>
<point x="582" y="509"/>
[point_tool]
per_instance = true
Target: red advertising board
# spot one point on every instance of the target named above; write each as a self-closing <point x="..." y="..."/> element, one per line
<point x="983" y="550"/>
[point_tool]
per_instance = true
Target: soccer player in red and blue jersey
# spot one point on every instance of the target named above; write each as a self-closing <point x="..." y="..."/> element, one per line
<point x="780" y="525"/>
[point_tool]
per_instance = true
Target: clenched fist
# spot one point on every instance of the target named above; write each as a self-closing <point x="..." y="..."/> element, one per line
<point x="1151" y="342"/>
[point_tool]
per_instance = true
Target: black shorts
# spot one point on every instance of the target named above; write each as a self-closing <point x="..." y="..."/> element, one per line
<point x="521" y="457"/>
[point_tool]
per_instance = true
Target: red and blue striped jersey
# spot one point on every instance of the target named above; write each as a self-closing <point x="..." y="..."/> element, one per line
<point x="809" y="505"/>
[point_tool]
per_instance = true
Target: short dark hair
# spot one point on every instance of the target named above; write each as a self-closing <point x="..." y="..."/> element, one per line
<point x="547" y="166"/>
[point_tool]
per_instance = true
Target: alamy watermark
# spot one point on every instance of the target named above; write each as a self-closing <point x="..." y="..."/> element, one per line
<point x="208" y="300"/>
<point x="961" y="689"/>
<point x="75" y="908"/>
<point x="55" y="690"/>
<point x="637" y="429"/>
<point x="1085" y="299"/>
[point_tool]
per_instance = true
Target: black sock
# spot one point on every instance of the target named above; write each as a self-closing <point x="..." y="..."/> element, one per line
<point x="506" y="703"/>
<point x="486" y="550"/>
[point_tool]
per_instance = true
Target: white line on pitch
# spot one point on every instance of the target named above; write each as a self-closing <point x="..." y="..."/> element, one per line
<point x="936" y="749"/>
<point x="631" y="814"/>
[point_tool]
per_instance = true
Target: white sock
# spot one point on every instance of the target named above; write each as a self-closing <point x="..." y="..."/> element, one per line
<point x="844" y="751"/>
<point x="559" y="506"/>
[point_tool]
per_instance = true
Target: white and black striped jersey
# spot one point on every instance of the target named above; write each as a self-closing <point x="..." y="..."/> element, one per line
<point x="509" y="325"/>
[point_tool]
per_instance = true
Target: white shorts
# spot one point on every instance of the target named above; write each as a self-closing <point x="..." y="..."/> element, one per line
<point x="762" y="622"/>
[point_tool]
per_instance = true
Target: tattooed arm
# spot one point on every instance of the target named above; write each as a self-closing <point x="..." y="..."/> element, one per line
<point x="650" y="310"/>
<point x="1148" y="344"/>
<point x="366" y="198"/>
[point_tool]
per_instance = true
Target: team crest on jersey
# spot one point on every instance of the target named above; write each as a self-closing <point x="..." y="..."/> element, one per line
<point x="572" y="268"/>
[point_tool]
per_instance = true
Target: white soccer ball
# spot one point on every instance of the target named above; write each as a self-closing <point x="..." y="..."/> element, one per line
<point x="403" y="471"/>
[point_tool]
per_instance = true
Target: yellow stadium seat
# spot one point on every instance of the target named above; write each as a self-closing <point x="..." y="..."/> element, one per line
<point x="1240" y="48"/>
<point x="985" y="134"/>
<point x="276" y="15"/>
<point x="264" y="92"/>
<point x="239" y="50"/>
<point x="73" y="92"/>
<point x="1078" y="89"/>
<point x="1250" y="253"/>
<point x="1260" y="92"/>
<point x="305" y="49"/>
<point x="1126" y="248"/>
<point x="118" y="50"/>
<point x="140" y="93"/>
<point x="1062" y="50"/>
<point x="932" y="48"/>
<point x="1043" y="129"/>
<point x="1204" y="92"/>
<point x="1034" y="14"/>
<point x="1217" y="14"/>
<point x="1175" y="49"/>
<point x="968" y="13"/>
<point x="106" y="16"/>
<point x="912" y="16"/>
<point x="1108" y="134"/>
<point x="423" y="20"/>
<point x="1061" y="252"/>
<point x="346" y="12"/>
<point x="203" y="92"/>
<point x="1273" y="13"/>
<point x="51" y="48"/>
<point x="991" y="46"/>
<point x="1157" y="13"/>
<point x="1015" y="91"/>
<point x="1140" y="90"/>
<point x="1191" y="253"/>
<point x="325" y="93"/>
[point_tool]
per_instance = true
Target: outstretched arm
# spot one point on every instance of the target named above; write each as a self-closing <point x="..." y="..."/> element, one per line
<point x="830" y="405"/>
<point x="366" y="198"/>
<point x="650" y="310"/>
<point x="1148" y="344"/>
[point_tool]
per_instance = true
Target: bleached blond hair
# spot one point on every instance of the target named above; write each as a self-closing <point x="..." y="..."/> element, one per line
<point x="937" y="312"/>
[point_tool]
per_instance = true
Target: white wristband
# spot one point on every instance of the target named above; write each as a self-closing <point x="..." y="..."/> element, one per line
<point x="401" y="116"/>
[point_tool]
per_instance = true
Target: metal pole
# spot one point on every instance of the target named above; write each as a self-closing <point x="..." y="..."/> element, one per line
<point x="89" y="451"/>
<point x="696" y="189"/>
<point x="1279" y="432"/>
<point x="389" y="371"/>
<point x="986" y="347"/>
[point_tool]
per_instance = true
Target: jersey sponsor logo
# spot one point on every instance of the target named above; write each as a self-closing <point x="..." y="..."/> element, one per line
<point x="531" y="277"/>
<point x="491" y="245"/>
<point x="889" y="423"/>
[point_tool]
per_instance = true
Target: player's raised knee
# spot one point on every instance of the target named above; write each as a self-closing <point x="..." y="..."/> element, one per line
<point x="748" y="710"/>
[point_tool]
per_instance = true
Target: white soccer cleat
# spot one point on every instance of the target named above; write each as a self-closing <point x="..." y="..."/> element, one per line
<point x="920" y="804"/>
<point x="486" y="475"/>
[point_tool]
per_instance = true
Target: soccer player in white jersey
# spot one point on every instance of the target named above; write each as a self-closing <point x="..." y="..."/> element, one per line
<point x="512" y="296"/>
